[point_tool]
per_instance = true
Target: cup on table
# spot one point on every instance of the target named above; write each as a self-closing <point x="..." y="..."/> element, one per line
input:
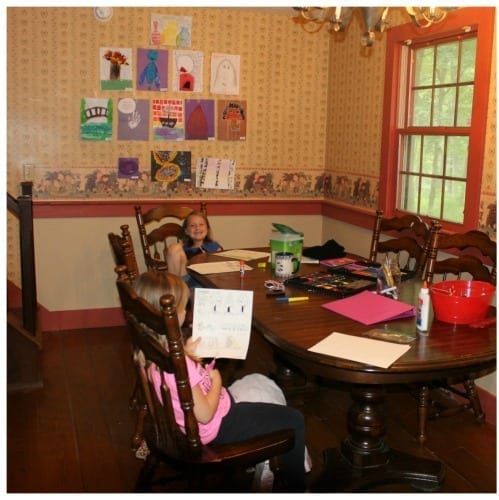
<point x="286" y="264"/>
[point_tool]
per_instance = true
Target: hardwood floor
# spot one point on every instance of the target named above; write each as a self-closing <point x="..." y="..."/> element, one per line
<point x="73" y="436"/>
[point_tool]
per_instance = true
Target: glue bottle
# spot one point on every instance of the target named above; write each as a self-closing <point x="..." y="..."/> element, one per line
<point x="423" y="310"/>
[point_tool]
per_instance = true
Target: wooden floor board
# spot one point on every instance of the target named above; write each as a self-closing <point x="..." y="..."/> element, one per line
<point x="73" y="435"/>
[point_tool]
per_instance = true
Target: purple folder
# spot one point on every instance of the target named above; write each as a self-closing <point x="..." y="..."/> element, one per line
<point x="369" y="308"/>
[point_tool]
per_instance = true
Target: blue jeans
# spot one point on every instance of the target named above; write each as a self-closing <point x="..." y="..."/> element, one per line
<point x="246" y="420"/>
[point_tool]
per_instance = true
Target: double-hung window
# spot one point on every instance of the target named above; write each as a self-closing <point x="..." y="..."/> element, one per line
<point x="436" y="97"/>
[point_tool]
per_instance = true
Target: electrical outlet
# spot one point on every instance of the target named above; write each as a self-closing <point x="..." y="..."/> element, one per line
<point x="28" y="171"/>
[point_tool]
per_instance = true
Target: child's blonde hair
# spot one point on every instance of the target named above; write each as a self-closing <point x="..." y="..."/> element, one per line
<point x="152" y="285"/>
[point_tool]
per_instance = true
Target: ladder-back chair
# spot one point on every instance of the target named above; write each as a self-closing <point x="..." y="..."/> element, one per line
<point x="409" y="242"/>
<point x="158" y="344"/>
<point x="476" y="259"/>
<point x="123" y="251"/>
<point x="159" y="227"/>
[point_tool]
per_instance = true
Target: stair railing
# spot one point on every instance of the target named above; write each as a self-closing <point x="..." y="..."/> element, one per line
<point x="22" y="208"/>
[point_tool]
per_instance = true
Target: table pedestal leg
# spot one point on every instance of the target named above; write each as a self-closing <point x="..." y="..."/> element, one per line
<point x="365" y="460"/>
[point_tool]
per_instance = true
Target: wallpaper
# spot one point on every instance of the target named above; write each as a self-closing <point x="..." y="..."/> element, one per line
<point x="53" y="63"/>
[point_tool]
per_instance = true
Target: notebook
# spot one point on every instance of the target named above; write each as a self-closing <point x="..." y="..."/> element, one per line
<point x="370" y="308"/>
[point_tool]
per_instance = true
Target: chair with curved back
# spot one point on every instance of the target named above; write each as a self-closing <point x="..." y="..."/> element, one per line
<point x="476" y="259"/>
<point x="158" y="344"/>
<point x="158" y="227"/>
<point x="123" y="250"/>
<point x="409" y="242"/>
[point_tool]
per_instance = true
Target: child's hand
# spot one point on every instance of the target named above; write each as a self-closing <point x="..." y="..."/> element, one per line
<point x="191" y="344"/>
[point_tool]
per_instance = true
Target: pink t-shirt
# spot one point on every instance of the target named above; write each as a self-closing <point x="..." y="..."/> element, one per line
<point x="197" y="375"/>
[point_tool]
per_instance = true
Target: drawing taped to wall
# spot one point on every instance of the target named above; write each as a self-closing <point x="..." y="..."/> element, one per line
<point x="152" y="69"/>
<point x="225" y="70"/>
<point x="174" y="31"/>
<point x="115" y="68"/>
<point x="128" y="168"/>
<point x="215" y="173"/>
<point x="168" y="119"/>
<point x="199" y="119"/>
<point x="96" y="119"/>
<point x="133" y="119"/>
<point x="171" y="166"/>
<point x="188" y="71"/>
<point x="231" y="120"/>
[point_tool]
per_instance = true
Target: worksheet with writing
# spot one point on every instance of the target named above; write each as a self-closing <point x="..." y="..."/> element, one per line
<point x="222" y="318"/>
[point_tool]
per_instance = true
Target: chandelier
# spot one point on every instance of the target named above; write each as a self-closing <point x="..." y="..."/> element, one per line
<point x="312" y="19"/>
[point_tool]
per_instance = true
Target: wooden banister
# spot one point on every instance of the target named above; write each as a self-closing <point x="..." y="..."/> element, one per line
<point x="22" y="208"/>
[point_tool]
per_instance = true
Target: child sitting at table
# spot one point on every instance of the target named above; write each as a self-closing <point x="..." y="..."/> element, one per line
<point x="196" y="239"/>
<point x="222" y="420"/>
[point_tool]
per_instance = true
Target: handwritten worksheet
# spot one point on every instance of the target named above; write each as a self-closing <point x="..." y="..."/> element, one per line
<point x="222" y="318"/>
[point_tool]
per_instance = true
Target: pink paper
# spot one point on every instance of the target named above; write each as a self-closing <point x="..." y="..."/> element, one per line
<point x="369" y="308"/>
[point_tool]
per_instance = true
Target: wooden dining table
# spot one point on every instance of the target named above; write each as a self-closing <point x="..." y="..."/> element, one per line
<point x="446" y="351"/>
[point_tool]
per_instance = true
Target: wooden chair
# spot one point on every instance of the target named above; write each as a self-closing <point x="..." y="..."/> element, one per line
<point x="477" y="258"/>
<point x="123" y="251"/>
<point x="151" y="331"/>
<point x="155" y="242"/>
<point x="410" y="242"/>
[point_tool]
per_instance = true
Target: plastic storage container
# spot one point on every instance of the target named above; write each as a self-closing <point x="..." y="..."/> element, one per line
<point x="285" y="243"/>
<point x="461" y="302"/>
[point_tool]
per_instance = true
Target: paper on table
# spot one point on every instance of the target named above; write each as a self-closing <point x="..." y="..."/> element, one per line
<point x="244" y="254"/>
<point x="369" y="308"/>
<point x="360" y="349"/>
<point x="222" y="318"/>
<point x="225" y="266"/>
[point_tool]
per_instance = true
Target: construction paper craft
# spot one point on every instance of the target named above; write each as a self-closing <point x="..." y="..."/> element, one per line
<point x="368" y="351"/>
<point x="369" y="308"/>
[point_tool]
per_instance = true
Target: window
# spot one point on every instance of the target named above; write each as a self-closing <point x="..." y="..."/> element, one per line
<point x="434" y="127"/>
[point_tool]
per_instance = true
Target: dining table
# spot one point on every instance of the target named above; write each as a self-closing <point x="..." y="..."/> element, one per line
<point x="446" y="351"/>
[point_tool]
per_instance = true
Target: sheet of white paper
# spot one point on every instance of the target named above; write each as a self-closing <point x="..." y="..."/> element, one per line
<point x="222" y="318"/>
<point x="225" y="266"/>
<point x="244" y="254"/>
<point x="364" y="350"/>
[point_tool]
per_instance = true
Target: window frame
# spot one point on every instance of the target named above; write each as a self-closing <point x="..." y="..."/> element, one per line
<point x="482" y="21"/>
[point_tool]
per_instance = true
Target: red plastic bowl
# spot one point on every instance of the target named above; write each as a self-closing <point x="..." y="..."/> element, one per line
<point x="461" y="302"/>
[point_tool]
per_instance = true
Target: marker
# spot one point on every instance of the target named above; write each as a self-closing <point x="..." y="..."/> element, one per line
<point x="241" y="268"/>
<point x="291" y="299"/>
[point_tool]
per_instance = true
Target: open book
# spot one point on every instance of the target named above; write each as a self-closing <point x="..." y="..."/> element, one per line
<point x="222" y="318"/>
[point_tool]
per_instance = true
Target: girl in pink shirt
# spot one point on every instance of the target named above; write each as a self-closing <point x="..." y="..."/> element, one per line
<point x="222" y="420"/>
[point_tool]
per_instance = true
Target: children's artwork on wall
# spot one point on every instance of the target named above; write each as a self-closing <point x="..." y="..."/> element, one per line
<point x="215" y="173"/>
<point x="188" y="70"/>
<point x="199" y="119"/>
<point x="128" y="168"/>
<point x="231" y="120"/>
<point x="133" y="119"/>
<point x="96" y="119"/>
<point x="115" y="69"/>
<point x="174" y="31"/>
<point x="225" y="69"/>
<point x="171" y="166"/>
<point x="168" y="119"/>
<point x="152" y="69"/>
